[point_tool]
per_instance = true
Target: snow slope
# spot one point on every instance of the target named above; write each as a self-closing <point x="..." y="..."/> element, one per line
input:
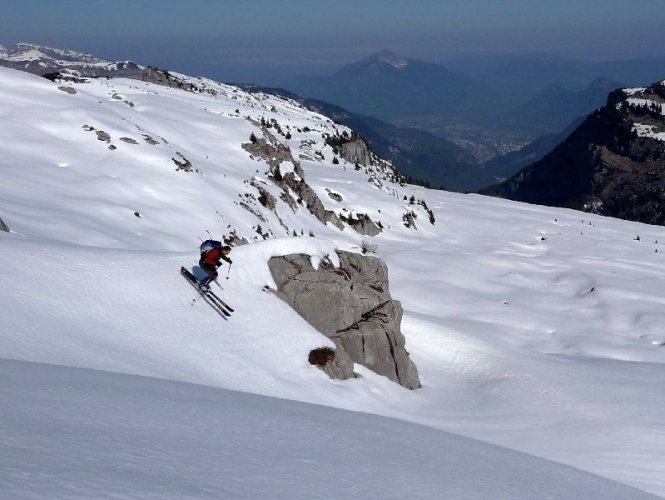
<point x="123" y="436"/>
<point x="533" y="328"/>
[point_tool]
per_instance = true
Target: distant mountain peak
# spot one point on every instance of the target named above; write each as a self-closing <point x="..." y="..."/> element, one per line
<point x="387" y="56"/>
<point x="42" y="60"/>
<point x="29" y="51"/>
<point x="604" y="83"/>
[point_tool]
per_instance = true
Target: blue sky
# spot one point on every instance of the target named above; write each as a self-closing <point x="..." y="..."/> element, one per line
<point x="251" y="37"/>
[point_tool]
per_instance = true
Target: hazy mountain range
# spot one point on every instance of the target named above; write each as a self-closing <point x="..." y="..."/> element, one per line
<point x="490" y="105"/>
<point x="398" y="88"/>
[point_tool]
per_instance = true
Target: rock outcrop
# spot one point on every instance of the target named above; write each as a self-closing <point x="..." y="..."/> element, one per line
<point x="362" y="224"/>
<point x="351" y="305"/>
<point x="356" y="151"/>
<point x="274" y="154"/>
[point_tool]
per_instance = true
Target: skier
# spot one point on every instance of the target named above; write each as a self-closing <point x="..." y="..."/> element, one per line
<point x="211" y="253"/>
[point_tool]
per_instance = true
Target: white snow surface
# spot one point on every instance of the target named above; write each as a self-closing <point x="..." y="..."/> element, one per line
<point x="121" y="436"/>
<point x="642" y="129"/>
<point x="536" y="331"/>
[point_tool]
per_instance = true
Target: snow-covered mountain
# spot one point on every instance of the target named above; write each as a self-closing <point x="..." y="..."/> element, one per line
<point x="42" y="60"/>
<point x="536" y="331"/>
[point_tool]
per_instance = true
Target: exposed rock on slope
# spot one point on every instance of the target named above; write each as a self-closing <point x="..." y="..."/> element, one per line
<point x="415" y="153"/>
<point x="275" y="154"/>
<point x="362" y="224"/>
<point x="352" y="306"/>
<point x="356" y="151"/>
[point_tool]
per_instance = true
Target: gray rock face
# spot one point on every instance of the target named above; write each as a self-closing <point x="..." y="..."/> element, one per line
<point x="352" y="306"/>
<point x="335" y="196"/>
<point x="103" y="136"/>
<point x="356" y="151"/>
<point x="269" y="149"/>
<point x="313" y="203"/>
<point x="274" y="153"/>
<point x="378" y="342"/>
<point x="265" y="198"/>
<point x="334" y="220"/>
<point x="362" y="224"/>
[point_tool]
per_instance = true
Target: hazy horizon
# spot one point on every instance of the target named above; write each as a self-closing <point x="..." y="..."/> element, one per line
<point x="263" y="41"/>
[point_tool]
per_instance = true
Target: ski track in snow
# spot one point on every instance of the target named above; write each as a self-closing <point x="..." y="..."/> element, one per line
<point x="533" y="328"/>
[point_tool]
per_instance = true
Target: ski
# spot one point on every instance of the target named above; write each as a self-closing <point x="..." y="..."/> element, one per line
<point x="209" y="296"/>
<point x="224" y="304"/>
<point x="219" y="302"/>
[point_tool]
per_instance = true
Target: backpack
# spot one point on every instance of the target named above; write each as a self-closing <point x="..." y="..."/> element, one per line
<point x="208" y="245"/>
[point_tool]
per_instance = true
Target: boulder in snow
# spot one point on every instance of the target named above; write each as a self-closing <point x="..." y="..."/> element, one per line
<point x="351" y="305"/>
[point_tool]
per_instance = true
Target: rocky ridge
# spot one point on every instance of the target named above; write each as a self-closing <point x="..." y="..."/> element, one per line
<point x="613" y="164"/>
<point x="41" y="60"/>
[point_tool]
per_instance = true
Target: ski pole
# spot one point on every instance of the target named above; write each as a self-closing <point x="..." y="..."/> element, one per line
<point x="229" y="271"/>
